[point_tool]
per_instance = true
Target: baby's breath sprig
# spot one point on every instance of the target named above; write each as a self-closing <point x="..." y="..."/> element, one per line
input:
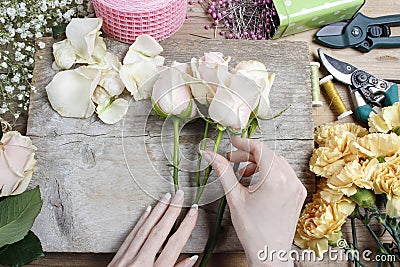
<point x="21" y="23"/>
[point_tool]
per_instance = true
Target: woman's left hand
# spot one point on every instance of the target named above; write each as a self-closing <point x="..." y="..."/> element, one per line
<point x="146" y="239"/>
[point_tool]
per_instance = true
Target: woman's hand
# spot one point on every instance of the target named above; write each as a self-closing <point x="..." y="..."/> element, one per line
<point x="146" y="239"/>
<point x="264" y="214"/>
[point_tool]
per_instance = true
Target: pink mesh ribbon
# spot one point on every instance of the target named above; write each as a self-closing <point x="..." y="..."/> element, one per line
<point x="125" y="20"/>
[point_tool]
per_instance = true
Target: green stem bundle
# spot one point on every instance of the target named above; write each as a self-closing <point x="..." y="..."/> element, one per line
<point x="218" y="222"/>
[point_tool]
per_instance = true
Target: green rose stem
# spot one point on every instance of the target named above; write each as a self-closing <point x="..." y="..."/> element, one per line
<point x="218" y="222"/>
<point x="176" y="122"/>
<point x="202" y="147"/>
<point x="200" y="189"/>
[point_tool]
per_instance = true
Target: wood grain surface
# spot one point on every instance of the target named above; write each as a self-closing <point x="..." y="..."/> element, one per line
<point x="96" y="179"/>
<point x="384" y="63"/>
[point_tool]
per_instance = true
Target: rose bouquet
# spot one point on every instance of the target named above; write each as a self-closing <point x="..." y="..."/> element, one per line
<point x="359" y="170"/>
<point x="18" y="207"/>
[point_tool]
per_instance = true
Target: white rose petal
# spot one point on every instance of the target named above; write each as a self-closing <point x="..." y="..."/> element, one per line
<point x="112" y="113"/>
<point x="147" y="45"/>
<point x="84" y="37"/>
<point x="139" y="78"/>
<point x="70" y="92"/>
<point x="133" y="56"/>
<point x="64" y="54"/>
<point x="110" y="61"/>
<point x="100" y="95"/>
<point x="111" y="81"/>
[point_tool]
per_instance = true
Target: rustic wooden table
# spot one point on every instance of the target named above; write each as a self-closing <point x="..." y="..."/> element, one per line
<point x="383" y="63"/>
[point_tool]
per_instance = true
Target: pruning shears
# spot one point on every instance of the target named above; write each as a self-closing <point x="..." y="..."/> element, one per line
<point x="367" y="91"/>
<point x="362" y="33"/>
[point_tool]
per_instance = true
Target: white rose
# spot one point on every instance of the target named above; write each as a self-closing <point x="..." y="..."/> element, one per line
<point x="257" y="72"/>
<point x="17" y="163"/>
<point x="235" y="99"/>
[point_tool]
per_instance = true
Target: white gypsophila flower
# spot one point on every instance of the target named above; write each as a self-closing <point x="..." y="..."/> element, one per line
<point x="9" y="89"/>
<point x="41" y="45"/>
<point x="11" y="12"/>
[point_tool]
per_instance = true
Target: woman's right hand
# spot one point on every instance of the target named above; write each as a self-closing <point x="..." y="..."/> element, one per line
<point x="265" y="214"/>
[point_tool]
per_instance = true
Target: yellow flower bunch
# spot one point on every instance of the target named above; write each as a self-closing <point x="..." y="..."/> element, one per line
<point x="355" y="164"/>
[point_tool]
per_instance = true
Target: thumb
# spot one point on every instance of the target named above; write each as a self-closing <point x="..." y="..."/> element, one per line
<point x="225" y="172"/>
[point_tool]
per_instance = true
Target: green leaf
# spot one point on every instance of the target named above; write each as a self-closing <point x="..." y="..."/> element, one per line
<point x="58" y="31"/>
<point x="22" y="252"/>
<point x="17" y="214"/>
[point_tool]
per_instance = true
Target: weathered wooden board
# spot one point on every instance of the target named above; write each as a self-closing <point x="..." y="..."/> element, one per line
<point x="96" y="179"/>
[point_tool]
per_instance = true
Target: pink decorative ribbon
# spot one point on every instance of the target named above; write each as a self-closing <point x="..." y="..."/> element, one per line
<point x="124" y="20"/>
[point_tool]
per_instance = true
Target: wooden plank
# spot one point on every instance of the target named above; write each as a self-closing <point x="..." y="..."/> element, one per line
<point x="90" y="198"/>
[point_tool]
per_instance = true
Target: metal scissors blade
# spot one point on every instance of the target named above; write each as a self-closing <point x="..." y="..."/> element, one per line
<point x="332" y="35"/>
<point x="340" y="70"/>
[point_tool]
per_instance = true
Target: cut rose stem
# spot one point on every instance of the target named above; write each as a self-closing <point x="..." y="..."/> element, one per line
<point x="176" y="122"/>
<point x="207" y="172"/>
<point x="202" y="147"/>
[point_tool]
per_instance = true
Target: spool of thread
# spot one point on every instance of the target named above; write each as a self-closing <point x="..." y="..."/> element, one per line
<point x="334" y="96"/>
<point x="316" y="91"/>
<point x="125" y="20"/>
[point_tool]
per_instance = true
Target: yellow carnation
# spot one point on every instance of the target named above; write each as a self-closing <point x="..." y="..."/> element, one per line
<point x="387" y="120"/>
<point x="386" y="180"/>
<point x="328" y="131"/>
<point x="353" y="175"/>
<point x="377" y="144"/>
<point x="330" y="159"/>
<point x="321" y="222"/>
<point x="377" y="124"/>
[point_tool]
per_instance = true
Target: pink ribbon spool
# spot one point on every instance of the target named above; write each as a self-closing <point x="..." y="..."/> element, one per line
<point x="125" y="20"/>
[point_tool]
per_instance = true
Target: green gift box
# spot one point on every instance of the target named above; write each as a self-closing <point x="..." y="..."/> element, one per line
<point x="300" y="15"/>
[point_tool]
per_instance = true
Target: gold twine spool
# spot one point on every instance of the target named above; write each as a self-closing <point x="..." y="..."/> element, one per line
<point x="334" y="96"/>
<point x="316" y="91"/>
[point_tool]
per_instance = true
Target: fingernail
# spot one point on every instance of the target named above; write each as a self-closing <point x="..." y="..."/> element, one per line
<point x="206" y="156"/>
<point x="192" y="261"/>
<point x="148" y="209"/>
<point x="193" y="210"/>
<point x="166" y="198"/>
<point x="178" y="196"/>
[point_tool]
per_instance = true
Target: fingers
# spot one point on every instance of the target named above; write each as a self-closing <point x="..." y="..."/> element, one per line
<point x="240" y="156"/>
<point x="132" y="234"/>
<point x="250" y="146"/>
<point x="160" y="231"/>
<point x="225" y="172"/>
<point x="144" y="231"/>
<point x="177" y="241"/>
<point x="248" y="170"/>
<point x="188" y="262"/>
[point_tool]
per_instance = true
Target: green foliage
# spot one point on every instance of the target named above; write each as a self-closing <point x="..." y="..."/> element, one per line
<point x="17" y="214"/>
<point x="22" y="252"/>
